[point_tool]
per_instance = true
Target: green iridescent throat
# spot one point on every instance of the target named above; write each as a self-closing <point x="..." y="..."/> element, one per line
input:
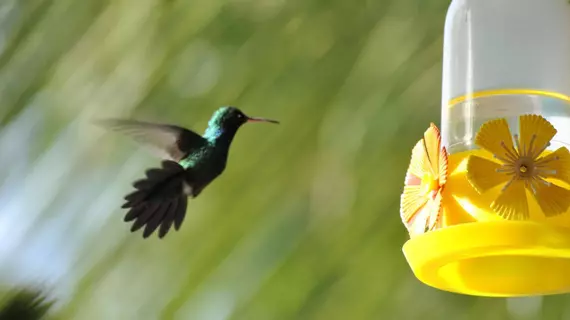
<point x="214" y="129"/>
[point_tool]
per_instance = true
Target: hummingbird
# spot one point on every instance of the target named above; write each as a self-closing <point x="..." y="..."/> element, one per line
<point x="190" y="162"/>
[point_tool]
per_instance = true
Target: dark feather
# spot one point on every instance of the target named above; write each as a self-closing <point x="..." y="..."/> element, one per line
<point x="26" y="304"/>
<point x="133" y="199"/>
<point x="156" y="174"/>
<point x="169" y="217"/>
<point x="167" y="141"/>
<point x="180" y="212"/>
<point x="159" y="200"/>
<point x="131" y="214"/>
<point x="142" y="184"/>
<point x="145" y="213"/>
<point x="157" y="218"/>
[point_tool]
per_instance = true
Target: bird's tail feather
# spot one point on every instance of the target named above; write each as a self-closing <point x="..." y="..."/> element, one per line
<point x="159" y="200"/>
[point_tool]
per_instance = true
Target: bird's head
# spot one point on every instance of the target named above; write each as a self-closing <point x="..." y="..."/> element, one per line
<point x="229" y="119"/>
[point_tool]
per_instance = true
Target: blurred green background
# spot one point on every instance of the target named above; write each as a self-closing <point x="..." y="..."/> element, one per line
<point x="304" y="222"/>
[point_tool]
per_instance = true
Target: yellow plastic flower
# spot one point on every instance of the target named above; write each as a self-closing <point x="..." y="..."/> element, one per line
<point x="522" y="166"/>
<point x="420" y="203"/>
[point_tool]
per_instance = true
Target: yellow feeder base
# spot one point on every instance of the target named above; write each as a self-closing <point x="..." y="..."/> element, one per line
<point x="495" y="258"/>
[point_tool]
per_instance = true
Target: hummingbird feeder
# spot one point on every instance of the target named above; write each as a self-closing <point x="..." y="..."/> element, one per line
<point x="486" y="200"/>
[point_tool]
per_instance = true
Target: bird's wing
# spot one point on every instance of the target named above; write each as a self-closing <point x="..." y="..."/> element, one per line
<point x="166" y="141"/>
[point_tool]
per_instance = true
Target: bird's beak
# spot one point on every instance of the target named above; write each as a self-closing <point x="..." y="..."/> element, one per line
<point x="255" y="119"/>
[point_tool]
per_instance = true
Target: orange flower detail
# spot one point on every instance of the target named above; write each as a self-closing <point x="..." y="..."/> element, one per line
<point x="420" y="203"/>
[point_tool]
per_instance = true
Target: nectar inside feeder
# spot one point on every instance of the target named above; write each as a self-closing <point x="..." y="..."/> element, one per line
<point x="487" y="199"/>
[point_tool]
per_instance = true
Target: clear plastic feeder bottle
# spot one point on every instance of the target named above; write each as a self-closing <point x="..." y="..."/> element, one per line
<point x="504" y="58"/>
<point x="500" y="203"/>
